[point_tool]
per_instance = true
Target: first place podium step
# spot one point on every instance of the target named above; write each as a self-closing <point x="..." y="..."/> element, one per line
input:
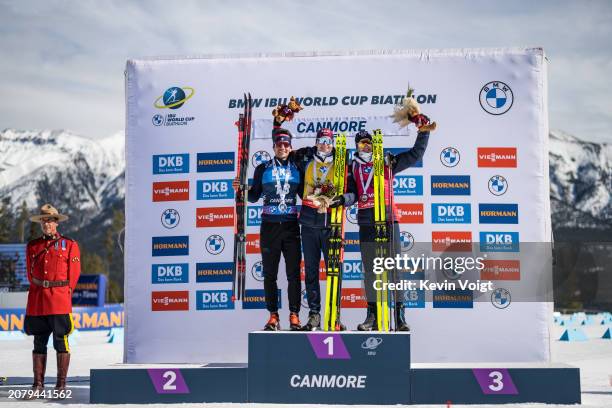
<point x="329" y="367"/>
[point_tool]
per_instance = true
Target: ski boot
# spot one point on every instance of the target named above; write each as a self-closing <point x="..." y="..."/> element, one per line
<point x="340" y="326"/>
<point x="294" y="321"/>
<point x="314" y="322"/>
<point x="400" y="320"/>
<point x="273" y="323"/>
<point x="369" y="323"/>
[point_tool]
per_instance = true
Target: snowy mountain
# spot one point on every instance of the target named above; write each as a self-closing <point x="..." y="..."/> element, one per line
<point x="87" y="176"/>
<point x="84" y="174"/>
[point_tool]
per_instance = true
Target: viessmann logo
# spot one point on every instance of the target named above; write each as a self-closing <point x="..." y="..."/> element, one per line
<point x="410" y="213"/>
<point x="169" y="300"/>
<point x="170" y="191"/>
<point x="252" y="244"/>
<point x="500" y="269"/>
<point x="497" y="157"/>
<point x="214" y="217"/>
<point x="460" y="241"/>
<point x="353" y="298"/>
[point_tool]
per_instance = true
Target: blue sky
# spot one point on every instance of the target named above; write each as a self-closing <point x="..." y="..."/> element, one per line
<point x="62" y="62"/>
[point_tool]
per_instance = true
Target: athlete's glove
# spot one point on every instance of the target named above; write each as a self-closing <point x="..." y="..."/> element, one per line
<point x="337" y="201"/>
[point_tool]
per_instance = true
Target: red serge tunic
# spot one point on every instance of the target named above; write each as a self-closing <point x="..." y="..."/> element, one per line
<point x="54" y="259"/>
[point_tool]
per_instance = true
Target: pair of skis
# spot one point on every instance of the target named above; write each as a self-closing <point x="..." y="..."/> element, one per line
<point x="244" y="140"/>
<point x="336" y="244"/>
<point x="383" y="225"/>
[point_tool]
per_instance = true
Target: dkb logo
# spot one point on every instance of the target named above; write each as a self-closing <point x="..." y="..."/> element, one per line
<point x="214" y="300"/>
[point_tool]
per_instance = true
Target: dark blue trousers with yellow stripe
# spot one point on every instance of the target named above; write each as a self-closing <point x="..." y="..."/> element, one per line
<point x="41" y="327"/>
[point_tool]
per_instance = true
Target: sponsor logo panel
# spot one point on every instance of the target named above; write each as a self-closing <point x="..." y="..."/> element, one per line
<point x="458" y="241"/>
<point x="171" y="163"/>
<point x="170" y="191"/>
<point x="497" y="157"/>
<point x="353" y="298"/>
<point x="322" y="270"/>
<point x="170" y="218"/>
<point x="215" y="162"/>
<point x="254" y="215"/>
<point x="453" y="299"/>
<point x="214" y="271"/>
<point x="170" y="300"/>
<point x="499" y="241"/>
<point x="214" y="300"/>
<point x="215" y="244"/>
<point x="410" y="213"/>
<point x="255" y="299"/>
<point x="414" y="299"/>
<point x="351" y="242"/>
<point x="352" y="270"/>
<point x="408" y="185"/>
<point x="253" y="244"/>
<point x="214" y="217"/>
<point x="496" y="98"/>
<point x="450" y="185"/>
<point x="451" y="213"/>
<point x="170" y="246"/>
<point x="496" y="269"/>
<point x="498" y="213"/>
<point x="214" y="189"/>
<point x="170" y="273"/>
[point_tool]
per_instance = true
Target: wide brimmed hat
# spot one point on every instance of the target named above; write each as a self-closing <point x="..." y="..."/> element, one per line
<point x="48" y="211"/>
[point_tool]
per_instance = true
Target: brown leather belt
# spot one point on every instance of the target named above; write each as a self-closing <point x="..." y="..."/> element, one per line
<point x="50" y="284"/>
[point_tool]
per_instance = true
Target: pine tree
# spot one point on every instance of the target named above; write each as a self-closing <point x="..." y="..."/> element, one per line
<point x="22" y="222"/>
<point x="6" y="220"/>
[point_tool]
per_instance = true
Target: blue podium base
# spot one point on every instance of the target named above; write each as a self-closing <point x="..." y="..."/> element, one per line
<point x="335" y="368"/>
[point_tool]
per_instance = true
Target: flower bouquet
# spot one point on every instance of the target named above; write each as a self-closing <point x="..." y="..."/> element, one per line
<point x="322" y="195"/>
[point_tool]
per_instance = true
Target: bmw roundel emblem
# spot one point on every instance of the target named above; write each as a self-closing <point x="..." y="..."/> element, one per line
<point x="450" y="157"/>
<point x="260" y="157"/>
<point x="351" y="214"/>
<point x="500" y="298"/>
<point x="158" y="119"/>
<point x="496" y="98"/>
<point x="406" y="241"/>
<point x="257" y="271"/>
<point x="170" y="218"/>
<point x="215" y="244"/>
<point x="498" y="185"/>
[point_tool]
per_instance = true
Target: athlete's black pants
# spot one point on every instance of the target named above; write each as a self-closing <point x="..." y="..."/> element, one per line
<point x="367" y="245"/>
<point x="41" y="327"/>
<point x="277" y="238"/>
<point x="314" y="240"/>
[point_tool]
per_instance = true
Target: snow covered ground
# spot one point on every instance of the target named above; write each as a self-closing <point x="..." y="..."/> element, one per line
<point x="593" y="357"/>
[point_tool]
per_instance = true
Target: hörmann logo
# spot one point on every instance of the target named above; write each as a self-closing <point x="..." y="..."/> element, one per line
<point x="498" y="269"/>
<point x="497" y="157"/>
<point x="498" y="213"/>
<point x="450" y="185"/>
<point x="170" y="273"/>
<point x="453" y="299"/>
<point x="171" y="163"/>
<point x="460" y="241"/>
<point x="351" y="242"/>
<point x="408" y="185"/>
<point x="214" y="272"/>
<point x="456" y="213"/>
<point x="256" y="299"/>
<point x="170" y="246"/>
<point x="173" y="300"/>
<point x="214" y="162"/>
<point x="410" y="213"/>
<point x="499" y="241"/>
<point x="214" y="217"/>
<point x="170" y="191"/>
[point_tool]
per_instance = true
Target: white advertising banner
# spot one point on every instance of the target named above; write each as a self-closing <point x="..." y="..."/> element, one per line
<point x="482" y="181"/>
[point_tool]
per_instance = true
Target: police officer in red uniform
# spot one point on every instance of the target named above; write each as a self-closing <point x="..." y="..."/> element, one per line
<point x="54" y="266"/>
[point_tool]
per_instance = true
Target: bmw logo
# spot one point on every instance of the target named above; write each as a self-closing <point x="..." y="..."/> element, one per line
<point x="351" y="214"/>
<point x="406" y="241"/>
<point x="260" y="157"/>
<point x="215" y="244"/>
<point x="158" y="119"/>
<point x="496" y="98"/>
<point x="501" y="298"/>
<point x="170" y="218"/>
<point x="257" y="271"/>
<point x="498" y="185"/>
<point x="450" y="157"/>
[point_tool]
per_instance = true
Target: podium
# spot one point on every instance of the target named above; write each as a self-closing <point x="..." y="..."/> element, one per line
<point x="335" y="368"/>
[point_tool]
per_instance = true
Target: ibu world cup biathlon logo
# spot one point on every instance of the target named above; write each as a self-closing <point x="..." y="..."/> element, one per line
<point x="450" y="157"/>
<point x="257" y="271"/>
<point x="496" y="98"/>
<point x="498" y="185"/>
<point x="215" y="244"/>
<point x="500" y="298"/>
<point x="351" y="214"/>
<point x="406" y="241"/>
<point x="371" y="343"/>
<point x="174" y="97"/>
<point x="260" y="157"/>
<point x="170" y="218"/>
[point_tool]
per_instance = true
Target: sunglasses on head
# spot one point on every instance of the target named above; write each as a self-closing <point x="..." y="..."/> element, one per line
<point x="324" y="141"/>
